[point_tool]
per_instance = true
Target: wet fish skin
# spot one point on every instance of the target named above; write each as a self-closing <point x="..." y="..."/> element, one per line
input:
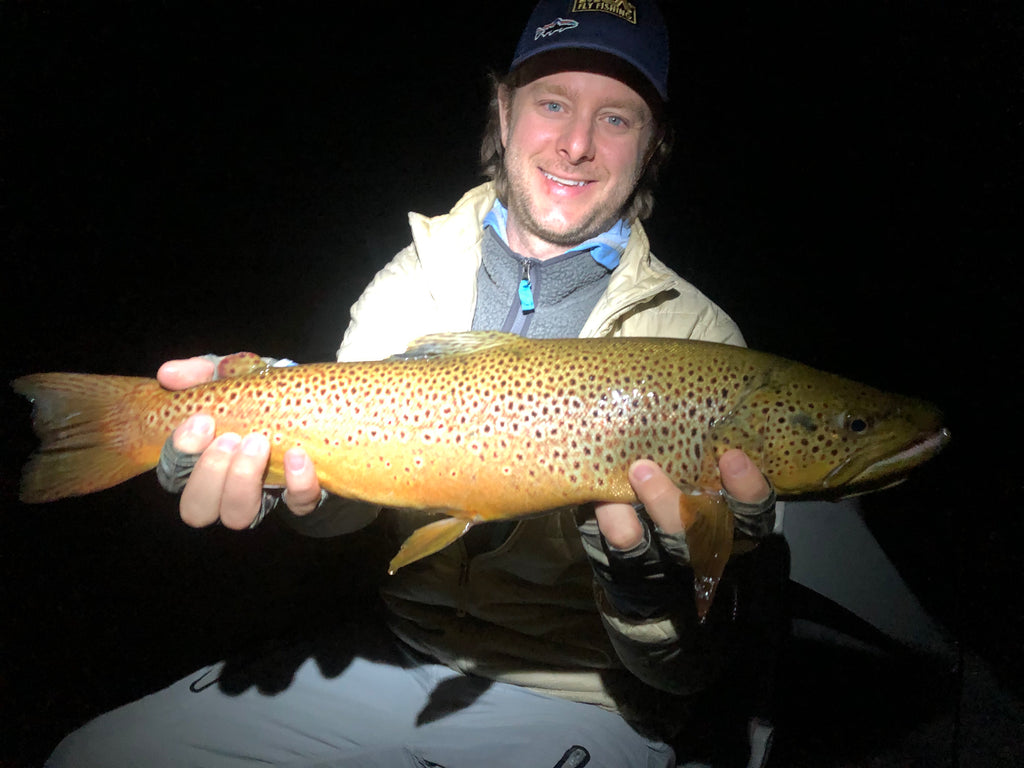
<point x="487" y="426"/>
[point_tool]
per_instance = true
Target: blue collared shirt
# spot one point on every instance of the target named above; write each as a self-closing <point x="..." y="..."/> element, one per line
<point x="606" y="248"/>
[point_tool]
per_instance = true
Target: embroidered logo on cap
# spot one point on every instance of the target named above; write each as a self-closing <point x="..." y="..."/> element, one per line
<point x="554" y="27"/>
<point x="621" y="8"/>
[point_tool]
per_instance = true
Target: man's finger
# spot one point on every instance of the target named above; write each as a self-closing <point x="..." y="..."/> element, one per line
<point x="302" y="488"/>
<point x="741" y="478"/>
<point x="200" y="499"/>
<point x="195" y="435"/>
<point x="243" y="484"/>
<point x="659" y="495"/>
<point x="619" y="525"/>
<point x="181" y="374"/>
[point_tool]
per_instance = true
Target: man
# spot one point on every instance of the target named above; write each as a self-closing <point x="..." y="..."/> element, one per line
<point x="504" y="632"/>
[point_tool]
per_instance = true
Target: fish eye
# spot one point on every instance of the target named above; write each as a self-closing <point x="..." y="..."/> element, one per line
<point x="856" y="424"/>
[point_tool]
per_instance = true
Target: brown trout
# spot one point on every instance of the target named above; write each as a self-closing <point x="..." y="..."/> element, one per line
<point x="490" y="426"/>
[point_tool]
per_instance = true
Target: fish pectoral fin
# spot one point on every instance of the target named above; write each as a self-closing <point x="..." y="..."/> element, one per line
<point x="429" y="539"/>
<point x="708" y="523"/>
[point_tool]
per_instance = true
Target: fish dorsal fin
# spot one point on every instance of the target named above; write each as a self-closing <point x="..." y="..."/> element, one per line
<point x="429" y="539"/>
<point x="467" y="342"/>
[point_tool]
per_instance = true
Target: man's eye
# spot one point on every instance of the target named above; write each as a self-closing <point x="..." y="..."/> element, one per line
<point x="616" y="121"/>
<point x="552" y="106"/>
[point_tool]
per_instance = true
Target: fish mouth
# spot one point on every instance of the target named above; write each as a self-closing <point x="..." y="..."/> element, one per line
<point x="891" y="468"/>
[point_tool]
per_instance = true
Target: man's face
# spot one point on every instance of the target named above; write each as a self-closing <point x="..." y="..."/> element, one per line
<point x="575" y="146"/>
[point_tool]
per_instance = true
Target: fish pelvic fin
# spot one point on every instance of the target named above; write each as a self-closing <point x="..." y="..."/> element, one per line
<point x="429" y="539"/>
<point x="709" y="526"/>
<point x="88" y="436"/>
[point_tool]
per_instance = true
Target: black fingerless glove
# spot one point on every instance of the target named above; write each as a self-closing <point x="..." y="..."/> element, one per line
<point x="654" y="576"/>
<point x="755" y="521"/>
<point x="647" y="580"/>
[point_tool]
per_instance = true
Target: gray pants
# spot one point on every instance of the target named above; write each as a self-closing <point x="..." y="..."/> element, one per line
<point x="384" y="709"/>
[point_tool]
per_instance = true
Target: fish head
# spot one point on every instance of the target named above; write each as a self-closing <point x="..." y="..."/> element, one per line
<point x="814" y="434"/>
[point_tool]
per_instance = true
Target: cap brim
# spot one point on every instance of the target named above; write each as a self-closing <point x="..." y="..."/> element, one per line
<point x="581" y="58"/>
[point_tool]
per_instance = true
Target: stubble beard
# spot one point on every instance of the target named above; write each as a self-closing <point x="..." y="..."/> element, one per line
<point x="522" y="209"/>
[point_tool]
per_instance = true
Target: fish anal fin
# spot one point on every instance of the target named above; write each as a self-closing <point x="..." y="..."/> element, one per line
<point x="708" y="523"/>
<point x="429" y="539"/>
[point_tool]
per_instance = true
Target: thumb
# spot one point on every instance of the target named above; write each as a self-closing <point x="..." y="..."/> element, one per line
<point x="181" y="374"/>
<point x="741" y="477"/>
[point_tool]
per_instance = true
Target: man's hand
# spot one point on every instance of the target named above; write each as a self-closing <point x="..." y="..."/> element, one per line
<point x="226" y="483"/>
<point x="620" y="525"/>
<point x="635" y="559"/>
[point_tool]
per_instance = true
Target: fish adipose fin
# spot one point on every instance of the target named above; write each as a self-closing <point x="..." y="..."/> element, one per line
<point x="429" y="539"/>
<point x="88" y="442"/>
<point x="708" y="523"/>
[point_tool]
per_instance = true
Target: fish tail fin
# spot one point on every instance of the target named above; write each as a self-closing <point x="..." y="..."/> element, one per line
<point x="89" y="434"/>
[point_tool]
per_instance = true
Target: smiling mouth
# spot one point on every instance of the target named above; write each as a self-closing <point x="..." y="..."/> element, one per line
<point x="564" y="182"/>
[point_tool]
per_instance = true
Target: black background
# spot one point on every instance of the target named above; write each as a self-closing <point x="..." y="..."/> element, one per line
<point x="189" y="177"/>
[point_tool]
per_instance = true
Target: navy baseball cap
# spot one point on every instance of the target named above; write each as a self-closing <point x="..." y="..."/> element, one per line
<point x="633" y="32"/>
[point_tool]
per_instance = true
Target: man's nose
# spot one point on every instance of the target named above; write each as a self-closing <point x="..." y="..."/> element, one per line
<point x="576" y="143"/>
